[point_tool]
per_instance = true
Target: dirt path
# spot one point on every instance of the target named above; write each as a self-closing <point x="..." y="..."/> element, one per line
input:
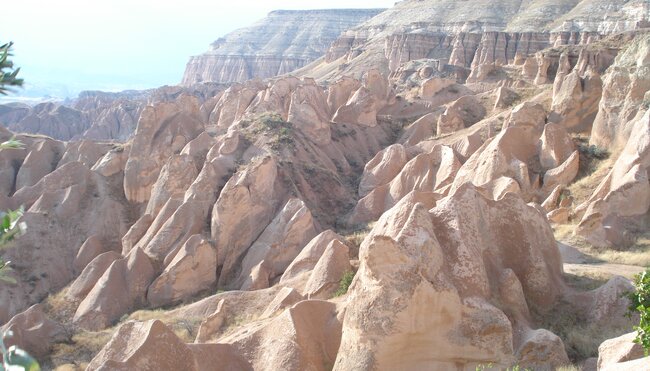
<point x="580" y="264"/>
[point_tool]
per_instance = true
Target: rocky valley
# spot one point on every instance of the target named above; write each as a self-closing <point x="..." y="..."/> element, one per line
<point x="444" y="185"/>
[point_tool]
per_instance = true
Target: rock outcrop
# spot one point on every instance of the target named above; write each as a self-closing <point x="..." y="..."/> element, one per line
<point x="152" y="346"/>
<point x="119" y="290"/>
<point x="70" y="198"/>
<point x="190" y="272"/>
<point x="426" y="172"/>
<point x="575" y="100"/>
<point x="622" y="353"/>
<point x="527" y="157"/>
<point x="415" y="259"/>
<point x="610" y="215"/>
<point x="462" y="113"/>
<point x="180" y="123"/>
<point x="312" y="334"/>
<point x="625" y="89"/>
<point x="34" y="331"/>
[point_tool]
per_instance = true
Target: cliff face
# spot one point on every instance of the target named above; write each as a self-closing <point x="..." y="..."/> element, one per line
<point x="604" y="16"/>
<point x="280" y="43"/>
<point x="471" y="33"/>
<point x="473" y="49"/>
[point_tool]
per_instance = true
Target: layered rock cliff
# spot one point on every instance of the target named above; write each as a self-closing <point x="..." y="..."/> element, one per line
<point x="282" y="42"/>
<point x="448" y="32"/>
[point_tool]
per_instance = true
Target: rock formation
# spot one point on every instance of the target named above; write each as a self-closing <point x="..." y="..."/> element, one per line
<point x="619" y="105"/>
<point x="400" y="218"/>
<point x="282" y="42"/>
<point x="152" y="345"/>
<point x="609" y="215"/>
<point x="622" y="354"/>
<point x="443" y="31"/>
<point x="93" y="115"/>
<point x="406" y="256"/>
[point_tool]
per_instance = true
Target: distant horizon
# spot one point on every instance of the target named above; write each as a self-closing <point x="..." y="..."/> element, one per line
<point x="78" y="45"/>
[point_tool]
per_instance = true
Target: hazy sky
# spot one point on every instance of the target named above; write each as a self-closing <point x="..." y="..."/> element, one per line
<point x="118" y="44"/>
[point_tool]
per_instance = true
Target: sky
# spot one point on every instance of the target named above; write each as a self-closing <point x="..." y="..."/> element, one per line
<point x="65" y="46"/>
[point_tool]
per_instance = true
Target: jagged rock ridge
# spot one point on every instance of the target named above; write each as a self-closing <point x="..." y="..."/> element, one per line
<point x="93" y="115"/>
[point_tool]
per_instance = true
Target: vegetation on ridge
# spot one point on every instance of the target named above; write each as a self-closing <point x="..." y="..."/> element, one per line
<point x="345" y="283"/>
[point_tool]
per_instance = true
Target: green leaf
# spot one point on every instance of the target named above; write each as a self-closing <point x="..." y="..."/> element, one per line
<point x="640" y="303"/>
<point x="20" y="358"/>
<point x="10" y="226"/>
<point x="12" y="143"/>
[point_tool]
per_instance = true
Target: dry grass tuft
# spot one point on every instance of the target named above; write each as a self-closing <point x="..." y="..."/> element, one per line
<point x="594" y="167"/>
<point x="59" y="307"/>
<point x="83" y="345"/>
<point x="587" y="281"/>
<point x="81" y="349"/>
<point x="581" y="337"/>
<point x="354" y="236"/>
<point x="185" y="328"/>
<point x="233" y="324"/>
<point x="638" y="254"/>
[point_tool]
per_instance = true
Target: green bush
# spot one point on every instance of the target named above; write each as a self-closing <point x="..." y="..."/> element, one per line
<point x="272" y="125"/>
<point x="593" y="151"/>
<point x="640" y="303"/>
<point x="344" y="285"/>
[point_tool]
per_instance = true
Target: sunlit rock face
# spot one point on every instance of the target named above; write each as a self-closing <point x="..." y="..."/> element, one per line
<point x="282" y="42"/>
<point x="473" y="33"/>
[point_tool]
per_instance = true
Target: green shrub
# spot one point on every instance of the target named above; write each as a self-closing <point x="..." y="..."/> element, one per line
<point x="640" y="303"/>
<point x="272" y="125"/>
<point x="344" y="285"/>
<point x="593" y="151"/>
